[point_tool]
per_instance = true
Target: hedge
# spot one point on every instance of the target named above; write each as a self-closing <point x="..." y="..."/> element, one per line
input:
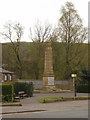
<point x="83" y="88"/>
<point x="23" y="86"/>
<point x="7" y="92"/>
<point x="19" y="86"/>
<point x="29" y="89"/>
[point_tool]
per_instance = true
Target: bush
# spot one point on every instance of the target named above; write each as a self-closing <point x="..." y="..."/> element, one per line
<point x="29" y="89"/>
<point x="23" y="86"/>
<point x="7" y="92"/>
<point x="19" y="86"/>
<point x="83" y="88"/>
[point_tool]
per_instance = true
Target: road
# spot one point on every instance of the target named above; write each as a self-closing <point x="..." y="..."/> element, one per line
<point x="64" y="109"/>
<point x="69" y="109"/>
<point x="55" y="114"/>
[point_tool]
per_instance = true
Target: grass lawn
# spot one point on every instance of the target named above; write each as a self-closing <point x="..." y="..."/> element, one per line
<point x="59" y="98"/>
<point x="45" y="98"/>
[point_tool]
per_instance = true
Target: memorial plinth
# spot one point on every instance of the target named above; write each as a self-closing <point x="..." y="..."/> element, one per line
<point x="48" y="76"/>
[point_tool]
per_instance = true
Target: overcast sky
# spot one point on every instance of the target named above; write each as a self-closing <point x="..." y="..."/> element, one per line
<point x="28" y="11"/>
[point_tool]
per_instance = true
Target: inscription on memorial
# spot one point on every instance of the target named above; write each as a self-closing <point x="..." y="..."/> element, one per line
<point x="50" y="80"/>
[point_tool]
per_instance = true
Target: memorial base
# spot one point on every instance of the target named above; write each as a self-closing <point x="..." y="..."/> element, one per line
<point x="49" y="88"/>
<point x="48" y="80"/>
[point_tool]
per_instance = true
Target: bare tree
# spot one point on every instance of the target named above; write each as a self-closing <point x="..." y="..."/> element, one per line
<point x="71" y="31"/>
<point x="40" y="33"/>
<point x="14" y="32"/>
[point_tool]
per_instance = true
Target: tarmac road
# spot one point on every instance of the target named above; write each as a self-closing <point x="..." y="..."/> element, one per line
<point x="41" y="95"/>
<point x="64" y="109"/>
<point x="55" y="114"/>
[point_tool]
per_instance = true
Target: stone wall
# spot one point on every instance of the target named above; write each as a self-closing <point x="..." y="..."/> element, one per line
<point x="64" y="85"/>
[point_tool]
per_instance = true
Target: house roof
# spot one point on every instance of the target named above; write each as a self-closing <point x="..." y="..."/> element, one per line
<point x="5" y="71"/>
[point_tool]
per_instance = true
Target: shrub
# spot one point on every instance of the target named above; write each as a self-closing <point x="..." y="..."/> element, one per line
<point x="23" y="86"/>
<point x="19" y="86"/>
<point x="7" y="92"/>
<point x="83" y="88"/>
<point x="29" y="89"/>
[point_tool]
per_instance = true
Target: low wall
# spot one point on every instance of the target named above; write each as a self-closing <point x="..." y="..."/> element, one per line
<point x="65" y="86"/>
<point x="62" y="84"/>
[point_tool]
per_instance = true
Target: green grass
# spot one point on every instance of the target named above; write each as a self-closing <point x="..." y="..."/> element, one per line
<point x="45" y="98"/>
<point x="55" y="99"/>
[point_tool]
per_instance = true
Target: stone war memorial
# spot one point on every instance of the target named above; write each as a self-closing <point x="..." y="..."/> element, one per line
<point x="48" y="76"/>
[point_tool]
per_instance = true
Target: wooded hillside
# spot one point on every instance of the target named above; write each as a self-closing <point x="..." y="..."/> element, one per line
<point x="32" y="58"/>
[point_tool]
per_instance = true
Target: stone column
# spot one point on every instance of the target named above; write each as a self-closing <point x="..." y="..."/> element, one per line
<point x="48" y="76"/>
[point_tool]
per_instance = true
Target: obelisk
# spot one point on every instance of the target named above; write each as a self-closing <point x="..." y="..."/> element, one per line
<point x="48" y="76"/>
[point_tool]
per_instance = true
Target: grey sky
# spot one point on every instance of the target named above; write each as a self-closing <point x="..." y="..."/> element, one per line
<point x="28" y="11"/>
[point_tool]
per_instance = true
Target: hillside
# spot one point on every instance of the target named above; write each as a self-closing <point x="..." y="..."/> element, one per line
<point x="32" y="58"/>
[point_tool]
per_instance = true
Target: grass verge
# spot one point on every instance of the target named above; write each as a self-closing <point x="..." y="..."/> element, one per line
<point x="59" y="98"/>
<point x="43" y="100"/>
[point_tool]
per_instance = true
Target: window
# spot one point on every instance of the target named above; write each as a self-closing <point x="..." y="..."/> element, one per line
<point x="5" y="77"/>
<point x="10" y="77"/>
